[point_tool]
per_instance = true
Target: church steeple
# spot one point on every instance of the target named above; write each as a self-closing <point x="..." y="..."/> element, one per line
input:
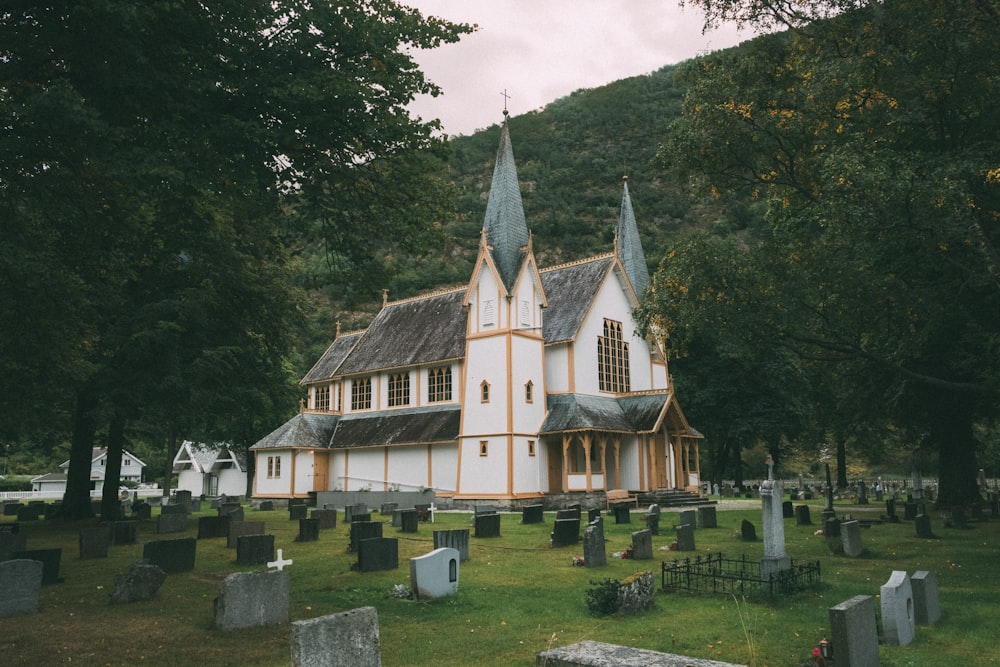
<point x="629" y="247"/>
<point x="504" y="225"/>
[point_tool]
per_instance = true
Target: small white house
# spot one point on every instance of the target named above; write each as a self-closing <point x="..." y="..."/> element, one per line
<point x="131" y="470"/>
<point x="210" y="470"/>
<point x="51" y="483"/>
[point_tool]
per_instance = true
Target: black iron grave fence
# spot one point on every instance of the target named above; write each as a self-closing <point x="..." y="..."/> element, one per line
<point x="715" y="574"/>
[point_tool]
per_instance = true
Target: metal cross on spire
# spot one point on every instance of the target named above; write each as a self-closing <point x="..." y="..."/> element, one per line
<point x="505" y="98"/>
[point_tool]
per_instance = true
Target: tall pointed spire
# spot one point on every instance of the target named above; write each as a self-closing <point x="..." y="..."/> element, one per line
<point x="629" y="247"/>
<point x="505" y="227"/>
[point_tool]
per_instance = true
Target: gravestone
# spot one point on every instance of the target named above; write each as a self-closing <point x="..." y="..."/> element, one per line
<point x="397" y="518"/>
<point x="172" y="509"/>
<point x="20" y="586"/>
<point x="589" y="653"/>
<point x="266" y="506"/>
<point x="890" y="510"/>
<point x="926" y="607"/>
<point x="235" y="514"/>
<point x="897" y="609"/>
<point x="142" y="511"/>
<point x="327" y="518"/>
<point x="238" y="529"/>
<point x="387" y="508"/>
<point x="577" y="508"/>
<point x="486" y="525"/>
<point x="831" y="527"/>
<point x="862" y="493"/>
<point x="787" y="510"/>
<point x="308" y="530"/>
<point x="747" y="531"/>
<point x="11" y="542"/>
<point x="227" y="508"/>
<point x="172" y="523"/>
<point x="363" y="530"/>
<point x="593" y="513"/>
<point x="642" y="545"/>
<point x="594" y="548"/>
<point x="850" y="538"/>
<point x="565" y="532"/>
<point x="347" y="639"/>
<point x="707" y="517"/>
<point x="532" y="514"/>
<point x="183" y="497"/>
<point x="775" y="559"/>
<point x="138" y="581"/>
<point x="653" y="522"/>
<point x="53" y="510"/>
<point x="434" y="574"/>
<point x="94" y="541"/>
<point x="252" y="599"/>
<point x="909" y="511"/>
<point x="297" y="512"/>
<point x="378" y="553"/>
<point x="685" y="537"/>
<point x="485" y="509"/>
<point x="689" y="518"/>
<point x="254" y="549"/>
<point x="29" y="513"/>
<point x="457" y="539"/>
<point x="11" y="509"/>
<point x="408" y="521"/>
<point x="567" y="514"/>
<point x="213" y="526"/>
<point x="922" y="523"/>
<point x="124" y="532"/>
<point x="194" y="505"/>
<point x="355" y="512"/>
<point x="171" y="555"/>
<point x="854" y="632"/>
<point x="802" y="516"/>
<point x="51" y="560"/>
<point x="622" y="513"/>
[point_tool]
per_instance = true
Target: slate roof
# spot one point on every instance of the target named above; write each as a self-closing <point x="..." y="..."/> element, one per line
<point x="579" y="412"/>
<point x="327" y="365"/>
<point x="630" y="252"/>
<point x="398" y="427"/>
<point x="305" y="430"/>
<point x="571" y="289"/>
<point x="406" y="333"/>
<point x="504" y="223"/>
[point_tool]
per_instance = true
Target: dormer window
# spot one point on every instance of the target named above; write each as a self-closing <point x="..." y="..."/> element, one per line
<point x="322" y="400"/>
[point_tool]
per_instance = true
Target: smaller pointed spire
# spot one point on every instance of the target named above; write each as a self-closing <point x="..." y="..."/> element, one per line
<point x="504" y="224"/>
<point x="628" y="246"/>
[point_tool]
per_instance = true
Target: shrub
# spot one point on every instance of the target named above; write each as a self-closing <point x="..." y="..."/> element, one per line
<point x="603" y="597"/>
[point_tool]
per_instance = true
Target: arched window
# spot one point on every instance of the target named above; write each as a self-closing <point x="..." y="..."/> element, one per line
<point x="529" y="391"/>
<point x="484" y="392"/>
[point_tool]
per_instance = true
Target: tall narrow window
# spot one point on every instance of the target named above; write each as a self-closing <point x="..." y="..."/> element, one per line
<point x="361" y="394"/>
<point x="399" y="389"/>
<point x="484" y="392"/>
<point x="273" y="467"/>
<point x="489" y="312"/>
<point x="531" y="448"/>
<point x="525" y="313"/>
<point x="340" y="396"/>
<point x="322" y="401"/>
<point x="439" y="384"/>
<point x="612" y="359"/>
<point x="529" y="392"/>
<point x="484" y="448"/>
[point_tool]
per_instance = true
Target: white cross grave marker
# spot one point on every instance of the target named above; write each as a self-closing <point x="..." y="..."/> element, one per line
<point x="280" y="563"/>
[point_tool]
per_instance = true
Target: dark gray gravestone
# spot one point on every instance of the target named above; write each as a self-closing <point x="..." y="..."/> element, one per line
<point x="532" y="514"/>
<point x="347" y="639"/>
<point x="235" y="514"/>
<point x="567" y="514"/>
<point x="397" y="518"/>
<point x="854" y="632"/>
<point x="565" y="532"/>
<point x="213" y="526"/>
<point x="688" y="517"/>
<point x="29" y="513"/>
<point x="408" y="520"/>
<point x="327" y="518"/>
<point x="171" y="555"/>
<point x="457" y="539"/>
<point x="642" y="545"/>
<point x="252" y="599"/>
<point x="254" y="549"/>
<point x="297" y="512"/>
<point x="850" y="538"/>
<point x="172" y="523"/>
<point x="388" y="508"/>
<point x="707" y="517"/>
<point x="11" y="509"/>
<point x="486" y="525"/>
<point x="173" y="509"/>
<point x="139" y="581"/>
<point x="922" y="522"/>
<point x="378" y="553"/>
<point x="621" y="511"/>
<point x="862" y="493"/>
<point x="266" y="506"/>
<point x="50" y="559"/>
<point x="685" y="537"/>
<point x="20" y="586"/>
<point x="890" y="510"/>
<point x="363" y="530"/>
<point x="183" y="497"/>
<point x="576" y="510"/>
<point x="802" y="516"/>
<point x="909" y="511"/>
<point x="225" y="509"/>
<point x="653" y="523"/>
<point x="355" y="512"/>
<point x="485" y="509"/>
<point x="926" y="607"/>
<point x="124" y="532"/>
<point x="142" y="511"/>
<point x="367" y="516"/>
<point x="593" y="514"/>
<point x="238" y="529"/>
<point x="831" y="527"/>
<point x="747" y="531"/>
<point x="308" y="530"/>
<point x="787" y="511"/>
<point x="594" y="548"/>
<point x="94" y="541"/>
<point x="12" y="542"/>
<point x="194" y="505"/>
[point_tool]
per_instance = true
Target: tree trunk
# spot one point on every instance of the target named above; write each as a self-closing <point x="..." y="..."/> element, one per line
<point x="170" y="445"/>
<point x="952" y="431"/>
<point x="841" y="463"/>
<point x="111" y="504"/>
<point x="251" y="467"/>
<point x="76" y="498"/>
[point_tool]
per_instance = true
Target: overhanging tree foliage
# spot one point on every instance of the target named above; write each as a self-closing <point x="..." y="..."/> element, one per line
<point x="157" y="160"/>
<point x="872" y="139"/>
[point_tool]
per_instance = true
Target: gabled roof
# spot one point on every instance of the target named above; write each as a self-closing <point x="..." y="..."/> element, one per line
<point x="53" y="477"/>
<point x="571" y="290"/>
<point x="629" y="247"/>
<point x="327" y="365"/>
<point x="204" y="457"/>
<point x="100" y="452"/>
<point x="583" y="412"/>
<point x="504" y="224"/>
<point x="306" y="430"/>
<point x="398" y="427"/>
<point x="410" y="332"/>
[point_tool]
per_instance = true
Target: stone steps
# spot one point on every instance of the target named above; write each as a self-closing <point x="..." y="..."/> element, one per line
<point x="672" y="498"/>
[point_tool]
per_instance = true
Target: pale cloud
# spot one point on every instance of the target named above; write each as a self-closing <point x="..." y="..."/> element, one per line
<point x="541" y="50"/>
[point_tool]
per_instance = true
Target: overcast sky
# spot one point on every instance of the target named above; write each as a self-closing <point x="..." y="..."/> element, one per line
<point x="541" y="50"/>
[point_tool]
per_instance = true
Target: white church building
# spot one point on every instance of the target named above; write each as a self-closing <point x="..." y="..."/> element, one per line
<point x="524" y="383"/>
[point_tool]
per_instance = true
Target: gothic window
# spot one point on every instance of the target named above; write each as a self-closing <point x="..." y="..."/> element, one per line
<point x="612" y="359"/>
<point x="361" y="394"/>
<point x="322" y="400"/>
<point x="399" y="389"/>
<point x="484" y="447"/>
<point x="484" y="392"/>
<point x="439" y="384"/>
<point x="529" y="392"/>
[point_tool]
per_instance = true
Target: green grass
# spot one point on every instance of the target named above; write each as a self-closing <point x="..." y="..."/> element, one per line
<point x="517" y="597"/>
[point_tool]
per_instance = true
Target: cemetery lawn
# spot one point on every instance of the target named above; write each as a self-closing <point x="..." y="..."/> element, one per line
<point x="517" y="596"/>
